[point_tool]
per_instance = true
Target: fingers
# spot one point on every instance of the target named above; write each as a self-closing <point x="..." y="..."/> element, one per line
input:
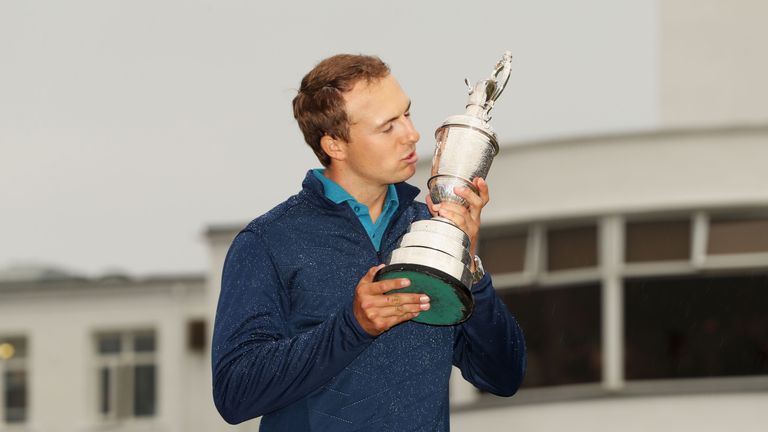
<point x="477" y="200"/>
<point x="482" y="187"/>
<point x="466" y="218"/>
<point x="431" y="205"/>
<point x="398" y="312"/>
<point x="474" y="200"/>
<point x="377" y="311"/>
<point x="400" y="304"/>
<point x="368" y="286"/>
<point x="368" y="278"/>
<point x="457" y="213"/>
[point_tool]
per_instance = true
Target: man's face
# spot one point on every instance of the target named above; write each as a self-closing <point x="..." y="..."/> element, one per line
<point x="382" y="139"/>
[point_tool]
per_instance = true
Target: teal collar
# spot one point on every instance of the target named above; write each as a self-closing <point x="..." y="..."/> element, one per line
<point x="337" y="194"/>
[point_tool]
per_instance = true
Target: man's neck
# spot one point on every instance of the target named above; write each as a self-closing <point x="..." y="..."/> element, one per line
<point x="372" y="195"/>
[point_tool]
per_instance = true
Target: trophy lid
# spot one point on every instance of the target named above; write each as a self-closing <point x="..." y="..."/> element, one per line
<point x="471" y="122"/>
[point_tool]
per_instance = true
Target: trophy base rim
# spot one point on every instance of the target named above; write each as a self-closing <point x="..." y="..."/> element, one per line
<point x="451" y="302"/>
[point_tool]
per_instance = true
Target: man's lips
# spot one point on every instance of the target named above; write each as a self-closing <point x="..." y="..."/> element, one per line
<point x="411" y="157"/>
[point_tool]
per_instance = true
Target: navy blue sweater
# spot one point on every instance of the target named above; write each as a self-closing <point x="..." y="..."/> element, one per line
<point x="287" y="346"/>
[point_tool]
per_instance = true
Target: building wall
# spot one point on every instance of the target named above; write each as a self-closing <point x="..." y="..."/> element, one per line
<point x="702" y="413"/>
<point x="60" y="324"/>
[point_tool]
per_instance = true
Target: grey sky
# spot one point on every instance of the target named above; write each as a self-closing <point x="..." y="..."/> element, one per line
<point x="127" y="127"/>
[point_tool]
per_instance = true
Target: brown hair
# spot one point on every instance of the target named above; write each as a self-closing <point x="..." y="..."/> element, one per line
<point x="319" y="105"/>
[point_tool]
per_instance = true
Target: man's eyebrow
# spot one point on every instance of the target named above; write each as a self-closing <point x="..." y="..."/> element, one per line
<point x="408" y="108"/>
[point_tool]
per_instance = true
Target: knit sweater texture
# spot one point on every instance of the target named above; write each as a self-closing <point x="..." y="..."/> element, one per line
<point x="286" y="344"/>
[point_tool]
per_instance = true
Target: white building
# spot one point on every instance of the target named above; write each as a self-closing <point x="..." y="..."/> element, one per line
<point x="106" y="354"/>
<point x="637" y="264"/>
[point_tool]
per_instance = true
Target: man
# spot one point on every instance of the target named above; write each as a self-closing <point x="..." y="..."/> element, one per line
<point x="303" y="336"/>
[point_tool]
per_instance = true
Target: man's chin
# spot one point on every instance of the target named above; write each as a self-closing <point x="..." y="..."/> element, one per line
<point x="407" y="173"/>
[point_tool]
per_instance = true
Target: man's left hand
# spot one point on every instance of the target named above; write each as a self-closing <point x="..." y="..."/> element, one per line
<point x="467" y="219"/>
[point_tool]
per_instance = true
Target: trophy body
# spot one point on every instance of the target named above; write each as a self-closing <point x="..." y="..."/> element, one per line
<point x="434" y="254"/>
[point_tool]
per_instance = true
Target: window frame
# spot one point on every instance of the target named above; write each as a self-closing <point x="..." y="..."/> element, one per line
<point x="740" y="260"/>
<point x="611" y="271"/>
<point x="121" y="407"/>
<point x="16" y="363"/>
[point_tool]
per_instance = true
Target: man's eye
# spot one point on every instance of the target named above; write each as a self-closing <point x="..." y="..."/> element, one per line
<point x="408" y="114"/>
<point x="389" y="128"/>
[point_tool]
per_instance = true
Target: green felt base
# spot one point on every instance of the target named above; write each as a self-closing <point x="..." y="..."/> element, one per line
<point x="446" y="305"/>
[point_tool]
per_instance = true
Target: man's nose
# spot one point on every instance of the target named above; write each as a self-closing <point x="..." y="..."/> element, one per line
<point x="411" y="133"/>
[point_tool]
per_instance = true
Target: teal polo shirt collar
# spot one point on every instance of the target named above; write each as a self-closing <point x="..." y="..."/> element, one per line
<point x="375" y="231"/>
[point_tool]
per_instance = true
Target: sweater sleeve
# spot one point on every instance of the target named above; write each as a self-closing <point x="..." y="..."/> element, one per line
<point x="489" y="348"/>
<point x="258" y="365"/>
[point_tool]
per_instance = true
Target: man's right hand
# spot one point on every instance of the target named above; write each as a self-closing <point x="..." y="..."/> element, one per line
<point x="377" y="311"/>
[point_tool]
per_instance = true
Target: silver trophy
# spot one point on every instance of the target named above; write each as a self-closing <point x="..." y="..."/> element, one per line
<point x="434" y="253"/>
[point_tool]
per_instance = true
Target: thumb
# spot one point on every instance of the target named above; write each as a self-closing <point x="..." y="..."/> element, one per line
<point x="372" y="273"/>
<point x="431" y="205"/>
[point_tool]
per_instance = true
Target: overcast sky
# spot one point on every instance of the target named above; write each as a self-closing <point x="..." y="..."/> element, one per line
<point x="128" y="127"/>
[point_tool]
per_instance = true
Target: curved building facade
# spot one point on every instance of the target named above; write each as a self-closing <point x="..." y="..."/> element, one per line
<point x="637" y="265"/>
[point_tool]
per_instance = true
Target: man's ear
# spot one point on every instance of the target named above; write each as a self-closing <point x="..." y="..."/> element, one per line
<point x="334" y="148"/>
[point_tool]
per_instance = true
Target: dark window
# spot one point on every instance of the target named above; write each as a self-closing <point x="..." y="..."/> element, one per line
<point x="503" y="253"/>
<point x="196" y="335"/>
<point x="110" y="343"/>
<point x="144" y="391"/>
<point x="728" y="235"/>
<point x="562" y="333"/>
<point x="696" y="326"/>
<point x="657" y="241"/>
<point x="144" y="342"/>
<point x="572" y="248"/>
<point x="15" y="396"/>
<point x="104" y="391"/>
